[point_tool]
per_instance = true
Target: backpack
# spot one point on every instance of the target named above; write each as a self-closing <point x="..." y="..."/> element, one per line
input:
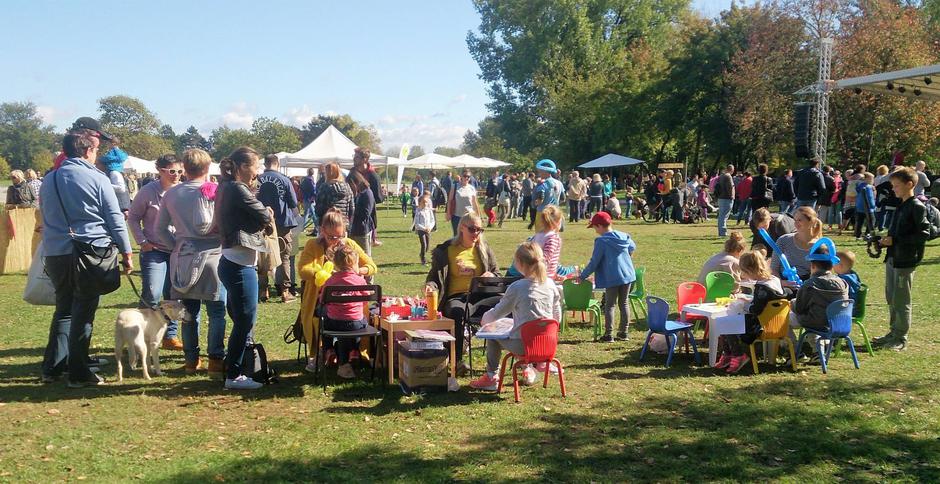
<point x="255" y="364"/>
<point x="933" y="217"/>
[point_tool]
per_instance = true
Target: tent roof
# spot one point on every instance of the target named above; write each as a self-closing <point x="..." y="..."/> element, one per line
<point x="611" y="159"/>
<point x="924" y="80"/>
<point x="429" y="161"/>
<point x="468" y="161"/>
<point x="331" y="146"/>
<point x="140" y="165"/>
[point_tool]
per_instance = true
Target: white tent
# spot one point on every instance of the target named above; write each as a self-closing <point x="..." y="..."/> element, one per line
<point x="430" y="161"/>
<point x="214" y="169"/>
<point x="330" y="146"/>
<point x="468" y="161"/>
<point x="491" y="163"/>
<point x="140" y="165"/>
<point x="610" y="160"/>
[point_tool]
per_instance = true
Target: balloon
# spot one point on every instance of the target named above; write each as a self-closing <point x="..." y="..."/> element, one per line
<point x="321" y="277"/>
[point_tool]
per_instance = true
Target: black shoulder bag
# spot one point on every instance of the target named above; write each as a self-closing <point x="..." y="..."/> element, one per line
<point x="94" y="269"/>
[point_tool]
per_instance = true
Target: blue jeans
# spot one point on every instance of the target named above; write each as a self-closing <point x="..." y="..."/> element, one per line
<point x="744" y="211"/>
<point x="310" y="216"/>
<point x="455" y="222"/>
<point x="806" y="203"/>
<point x="190" y="330"/>
<point x="724" y="211"/>
<point x="785" y="207"/>
<point x="154" y="271"/>
<point x="241" y="283"/>
<point x="72" y="322"/>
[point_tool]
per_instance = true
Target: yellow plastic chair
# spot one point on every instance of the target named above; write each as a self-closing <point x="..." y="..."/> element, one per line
<point x="774" y="319"/>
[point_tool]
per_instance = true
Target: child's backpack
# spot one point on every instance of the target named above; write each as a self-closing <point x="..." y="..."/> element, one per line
<point x="255" y="364"/>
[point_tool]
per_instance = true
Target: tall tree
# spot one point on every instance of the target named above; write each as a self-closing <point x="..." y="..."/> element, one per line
<point x="127" y="114"/>
<point x="25" y="139"/>
<point x="192" y="138"/>
<point x="225" y="140"/>
<point x="447" y="151"/>
<point x="363" y="135"/>
<point x="274" y="136"/>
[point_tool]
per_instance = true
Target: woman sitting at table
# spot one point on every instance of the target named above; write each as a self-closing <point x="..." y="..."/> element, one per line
<point x="454" y="264"/>
<point x="317" y="252"/>
<point x="726" y="260"/>
<point x="776" y="224"/>
<point x="796" y="245"/>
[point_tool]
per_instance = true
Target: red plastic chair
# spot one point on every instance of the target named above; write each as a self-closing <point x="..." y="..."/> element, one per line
<point x="540" y="340"/>
<point x="691" y="293"/>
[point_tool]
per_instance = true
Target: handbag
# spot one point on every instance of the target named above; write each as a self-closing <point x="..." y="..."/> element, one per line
<point x="39" y="288"/>
<point x="94" y="268"/>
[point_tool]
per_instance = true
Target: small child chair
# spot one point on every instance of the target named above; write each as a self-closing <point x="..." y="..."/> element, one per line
<point x="691" y="293"/>
<point x="774" y="319"/>
<point x="839" y="314"/>
<point x="858" y="318"/>
<point x="638" y="292"/>
<point x="540" y="340"/>
<point x="718" y="284"/>
<point x="657" y="319"/>
<point x="579" y="297"/>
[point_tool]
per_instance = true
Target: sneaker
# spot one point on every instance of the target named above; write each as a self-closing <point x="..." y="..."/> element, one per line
<point x="377" y="243"/>
<point x="311" y="365"/>
<point x="738" y="362"/>
<point x="98" y="361"/>
<point x="485" y="382"/>
<point x="724" y="361"/>
<point x="49" y="378"/>
<point x="607" y="339"/>
<point x="242" y="383"/>
<point x="462" y="368"/>
<point x="346" y="372"/>
<point x="330" y="357"/>
<point x="287" y="297"/>
<point x="93" y="380"/>
<point x="172" y="344"/>
<point x="623" y="336"/>
<point x="216" y="369"/>
<point x="529" y="376"/>
<point x="880" y="340"/>
<point x="894" y="345"/>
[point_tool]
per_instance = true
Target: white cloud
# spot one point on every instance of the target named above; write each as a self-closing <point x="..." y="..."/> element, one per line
<point x="239" y="117"/>
<point x="299" y="116"/>
<point x="429" y="136"/>
<point x="459" y="98"/>
<point x="47" y="113"/>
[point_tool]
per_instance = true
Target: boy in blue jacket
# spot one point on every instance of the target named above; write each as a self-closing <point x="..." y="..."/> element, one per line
<point x="613" y="268"/>
<point x="864" y="204"/>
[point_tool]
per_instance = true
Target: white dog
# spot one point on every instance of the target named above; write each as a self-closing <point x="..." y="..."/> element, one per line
<point x="141" y="331"/>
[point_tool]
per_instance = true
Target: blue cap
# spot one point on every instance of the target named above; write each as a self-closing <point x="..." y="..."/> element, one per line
<point x="830" y="257"/>
<point x="546" y="165"/>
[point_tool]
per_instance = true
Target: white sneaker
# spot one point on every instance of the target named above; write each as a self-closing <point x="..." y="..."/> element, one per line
<point x="242" y="383"/>
<point x="311" y="365"/>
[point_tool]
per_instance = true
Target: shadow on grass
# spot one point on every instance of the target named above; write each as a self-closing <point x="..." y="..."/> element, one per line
<point x="755" y="434"/>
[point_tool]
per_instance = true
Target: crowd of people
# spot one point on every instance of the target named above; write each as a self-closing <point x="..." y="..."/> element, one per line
<point x="204" y="242"/>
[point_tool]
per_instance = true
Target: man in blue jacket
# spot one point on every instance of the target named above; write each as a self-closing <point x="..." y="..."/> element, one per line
<point x="276" y="192"/>
<point x="79" y="203"/>
<point x="808" y="184"/>
<point x="308" y="190"/>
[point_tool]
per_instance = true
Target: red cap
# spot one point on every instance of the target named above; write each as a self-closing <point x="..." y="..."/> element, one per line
<point x="600" y="218"/>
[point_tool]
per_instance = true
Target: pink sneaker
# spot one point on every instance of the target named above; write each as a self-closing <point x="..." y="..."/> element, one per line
<point x="485" y="382"/>
<point x="724" y="361"/>
<point x="738" y="362"/>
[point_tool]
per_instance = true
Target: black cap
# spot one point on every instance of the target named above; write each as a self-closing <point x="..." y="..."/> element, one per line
<point x="92" y="124"/>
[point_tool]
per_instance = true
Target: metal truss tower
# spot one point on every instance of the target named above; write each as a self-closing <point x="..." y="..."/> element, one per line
<point x="821" y="128"/>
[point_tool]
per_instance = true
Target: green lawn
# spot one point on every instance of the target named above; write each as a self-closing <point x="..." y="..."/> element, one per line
<point x="622" y="420"/>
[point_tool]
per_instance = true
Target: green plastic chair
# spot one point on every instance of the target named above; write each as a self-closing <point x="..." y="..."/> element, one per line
<point x="718" y="284"/>
<point x="638" y="294"/>
<point x="858" y="319"/>
<point x="580" y="297"/>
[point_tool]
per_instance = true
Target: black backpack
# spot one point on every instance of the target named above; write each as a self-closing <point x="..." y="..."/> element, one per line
<point x="255" y="364"/>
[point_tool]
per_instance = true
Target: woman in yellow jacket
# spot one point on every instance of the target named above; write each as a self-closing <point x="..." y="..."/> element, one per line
<point x="316" y="253"/>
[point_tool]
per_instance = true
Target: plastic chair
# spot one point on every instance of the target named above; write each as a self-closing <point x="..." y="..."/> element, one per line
<point x="484" y="293"/>
<point x="839" y="314"/>
<point x="658" y="313"/>
<point x="579" y="297"/>
<point x="540" y="340"/>
<point x="858" y="319"/>
<point x="718" y="284"/>
<point x="638" y="293"/>
<point x="775" y="321"/>
<point x="349" y="294"/>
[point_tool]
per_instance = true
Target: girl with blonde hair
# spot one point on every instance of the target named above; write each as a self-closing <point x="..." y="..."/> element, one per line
<point x="796" y="245"/>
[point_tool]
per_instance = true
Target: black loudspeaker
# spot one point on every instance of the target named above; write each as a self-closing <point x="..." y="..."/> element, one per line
<point x="803" y="129"/>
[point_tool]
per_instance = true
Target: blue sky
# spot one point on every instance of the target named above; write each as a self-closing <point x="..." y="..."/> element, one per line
<point x="402" y="66"/>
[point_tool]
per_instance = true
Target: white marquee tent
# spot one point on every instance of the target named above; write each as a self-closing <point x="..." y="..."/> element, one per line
<point x="140" y="165"/>
<point x="331" y="146"/>
<point x="610" y="160"/>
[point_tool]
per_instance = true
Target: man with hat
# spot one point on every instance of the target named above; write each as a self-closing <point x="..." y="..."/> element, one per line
<point x="90" y="124"/>
<point x="549" y="191"/>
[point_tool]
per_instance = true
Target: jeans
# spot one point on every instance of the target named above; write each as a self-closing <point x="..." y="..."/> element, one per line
<point x="785" y="207"/>
<point x="724" y="211"/>
<point x="282" y="278"/>
<point x="241" y="284"/>
<point x="574" y="210"/>
<point x="595" y="204"/>
<point x="824" y="212"/>
<point x="310" y="215"/>
<point x="364" y="241"/>
<point x="190" y="330"/>
<point x="455" y="223"/>
<point x="344" y="345"/>
<point x="455" y="308"/>
<point x="494" y="350"/>
<point x="424" y="239"/>
<point x="898" y="283"/>
<point x="744" y="211"/>
<point x="154" y="265"/>
<point x="806" y="203"/>
<point x="72" y="322"/>
<point x="524" y="209"/>
<point x="618" y="295"/>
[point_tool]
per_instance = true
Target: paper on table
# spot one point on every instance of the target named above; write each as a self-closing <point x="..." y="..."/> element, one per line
<point x="498" y="329"/>
<point x="428" y="334"/>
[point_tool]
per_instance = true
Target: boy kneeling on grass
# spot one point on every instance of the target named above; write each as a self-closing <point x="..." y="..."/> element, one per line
<point x="907" y="235"/>
<point x="808" y="310"/>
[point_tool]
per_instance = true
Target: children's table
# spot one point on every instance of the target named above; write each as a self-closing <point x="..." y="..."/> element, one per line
<point x="720" y="321"/>
<point x="390" y="327"/>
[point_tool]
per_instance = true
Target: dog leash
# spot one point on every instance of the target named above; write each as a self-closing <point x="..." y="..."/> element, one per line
<point x="141" y="299"/>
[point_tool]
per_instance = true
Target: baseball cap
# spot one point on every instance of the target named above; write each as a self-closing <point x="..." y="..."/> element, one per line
<point x="546" y="165"/>
<point x="86" y="122"/>
<point x="600" y="218"/>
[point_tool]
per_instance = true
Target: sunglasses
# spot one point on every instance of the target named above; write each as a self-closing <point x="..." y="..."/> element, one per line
<point x="335" y="237"/>
<point x="474" y="230"/>
<point x="172" y="172"/>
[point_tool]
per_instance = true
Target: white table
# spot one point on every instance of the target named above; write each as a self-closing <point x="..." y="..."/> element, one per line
<point x="720" y="321"/>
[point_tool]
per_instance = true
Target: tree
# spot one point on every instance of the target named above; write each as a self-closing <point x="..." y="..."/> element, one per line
<point x="24" y="138"/>
<point x="125" y="114"/>
<point x="415" y="152"/>
<point x="447" y="151"/>
<point x="4" y="168"/>
<point x="363" y="135"/>
<point x="193" y="139"/>
<point x="225" y="140"/>
<point x="274" y="136"/>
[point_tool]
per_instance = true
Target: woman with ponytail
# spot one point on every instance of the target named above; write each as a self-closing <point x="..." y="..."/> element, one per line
<point x="242" y="222"/>
<point x="535" y="296"/>
<point x="796" y="245"/>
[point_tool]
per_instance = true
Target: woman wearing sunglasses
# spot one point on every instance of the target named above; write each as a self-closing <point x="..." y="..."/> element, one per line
<point x="142" y="219"/>
<point x="453" y="265"/>
<point x="317" y="252"/>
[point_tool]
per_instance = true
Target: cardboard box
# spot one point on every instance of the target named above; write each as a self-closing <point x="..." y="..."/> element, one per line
<point x="423" y="370"/>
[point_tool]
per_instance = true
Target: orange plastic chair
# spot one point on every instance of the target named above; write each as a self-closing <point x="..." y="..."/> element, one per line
<point x="774" y="319"/>
<point x="540" y="340"/>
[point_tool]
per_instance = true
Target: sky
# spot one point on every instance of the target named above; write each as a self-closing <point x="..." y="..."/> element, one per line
<point x="401" y="66"/>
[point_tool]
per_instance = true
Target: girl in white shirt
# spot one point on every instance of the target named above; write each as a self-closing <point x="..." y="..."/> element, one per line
<point x="424" y="224"/>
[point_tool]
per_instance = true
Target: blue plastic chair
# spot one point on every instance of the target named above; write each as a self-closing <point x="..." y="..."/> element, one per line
<point x="839" y="314"/>
<point x="659" y="323"/>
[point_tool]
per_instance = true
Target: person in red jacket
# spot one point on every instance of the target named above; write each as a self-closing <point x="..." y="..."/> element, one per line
<point x="743" y="191"/>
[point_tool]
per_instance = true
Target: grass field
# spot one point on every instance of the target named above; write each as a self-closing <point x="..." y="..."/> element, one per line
<point x="623" y="420"/>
